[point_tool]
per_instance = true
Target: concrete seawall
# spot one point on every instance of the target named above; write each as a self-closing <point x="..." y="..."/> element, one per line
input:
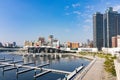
<point x="83" y="73"/>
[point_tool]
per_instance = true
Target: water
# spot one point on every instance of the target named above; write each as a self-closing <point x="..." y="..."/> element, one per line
<point x="67" y="63"/>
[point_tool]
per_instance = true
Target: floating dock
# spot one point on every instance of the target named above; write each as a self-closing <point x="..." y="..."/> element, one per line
<point x="5" y="63"/>
<point x="6" y="60"/>
<point x="72" y="74"/>
<point x="40" y="74"/>
<point x="26" y="70"/>
<point x="42" y="65"/>
<point x="9" y="69"/>
<point x="16" y="62"/>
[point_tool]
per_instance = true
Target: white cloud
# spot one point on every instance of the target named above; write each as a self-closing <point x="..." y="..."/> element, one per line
<point x="67" y="7"/>
<point x="74" y="12"/>
<point x="88" y="21"/>
<point x="77" y="12"/>
<point x="75" y="5"/>
<point x="116" y="8"/>
<point x="90" y="7"/>
<point x="86" y="15"/>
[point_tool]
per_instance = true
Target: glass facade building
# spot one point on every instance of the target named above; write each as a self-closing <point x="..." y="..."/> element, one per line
<point x="98" y="30"/>
<point x="105" y="26"/>
<point x="111" y="26"/>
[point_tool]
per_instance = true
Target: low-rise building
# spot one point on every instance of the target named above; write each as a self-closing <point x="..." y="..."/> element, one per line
<point x="87" y="50"/>
<point x="113" y="51"/>
<point x="116" y="41"/>
<point x="72" y="45"/>
<point x="56" y="43"/>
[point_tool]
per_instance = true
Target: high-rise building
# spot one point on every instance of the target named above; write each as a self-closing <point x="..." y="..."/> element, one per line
<point x="105" y="26"/>
<point x="111" y="26"/>
<point x="98" y="30"/>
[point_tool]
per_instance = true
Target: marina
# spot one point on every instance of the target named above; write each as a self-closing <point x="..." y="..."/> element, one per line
<point x="46" y="67"/>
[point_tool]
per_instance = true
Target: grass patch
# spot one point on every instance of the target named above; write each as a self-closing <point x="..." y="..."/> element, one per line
<point x="109" y="64"/>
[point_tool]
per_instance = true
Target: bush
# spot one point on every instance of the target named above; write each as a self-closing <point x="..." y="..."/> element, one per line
<point x="109" y="64"/>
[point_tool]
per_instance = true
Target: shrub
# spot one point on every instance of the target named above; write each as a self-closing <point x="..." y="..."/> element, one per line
<point x="109" y="65"/>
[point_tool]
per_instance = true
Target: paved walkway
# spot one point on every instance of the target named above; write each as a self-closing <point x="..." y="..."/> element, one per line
<point x="95" y="72"/>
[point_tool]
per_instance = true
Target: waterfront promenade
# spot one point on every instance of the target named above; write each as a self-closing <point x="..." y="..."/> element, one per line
<point x="94" y="73"/>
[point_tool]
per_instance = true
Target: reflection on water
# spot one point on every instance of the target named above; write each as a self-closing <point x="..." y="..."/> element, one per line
<point x="59" y="62"/>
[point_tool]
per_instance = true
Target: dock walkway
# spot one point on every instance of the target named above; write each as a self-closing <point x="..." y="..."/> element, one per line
<point x="94" y="73"/>
<point x="32" y="67"/>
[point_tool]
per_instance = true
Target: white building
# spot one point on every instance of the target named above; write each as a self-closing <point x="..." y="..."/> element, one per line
<point x="113" y="51"/>
<point x="56" y="44"/>
<point x="87" y="50"/>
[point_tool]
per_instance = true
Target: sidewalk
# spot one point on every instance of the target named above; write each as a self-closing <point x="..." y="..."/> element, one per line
<point x="95" y="72"/>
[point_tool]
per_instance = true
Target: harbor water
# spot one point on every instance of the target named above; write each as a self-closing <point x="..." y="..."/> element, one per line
<point x="65" y="63"/>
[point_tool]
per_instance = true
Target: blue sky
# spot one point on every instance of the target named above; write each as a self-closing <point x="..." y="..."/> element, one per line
<point x="67" y="20"/>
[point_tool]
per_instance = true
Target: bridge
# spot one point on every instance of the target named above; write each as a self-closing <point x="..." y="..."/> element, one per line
<point x="40" y="49"/>
<point x="46" y="49"/>
<point x="13" y="49"/>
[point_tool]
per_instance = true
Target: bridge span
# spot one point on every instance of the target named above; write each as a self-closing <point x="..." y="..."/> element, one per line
<point x="41" y="49"/>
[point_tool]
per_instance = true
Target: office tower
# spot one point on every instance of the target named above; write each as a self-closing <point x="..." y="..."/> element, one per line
<point x="98" y="30"/>
<point x="111" y="24"/>
<point x="105" y="26"/>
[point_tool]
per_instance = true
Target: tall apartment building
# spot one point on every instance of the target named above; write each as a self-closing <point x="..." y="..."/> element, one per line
<point x="105" y="26"/>
<point x="98" y="30"/>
